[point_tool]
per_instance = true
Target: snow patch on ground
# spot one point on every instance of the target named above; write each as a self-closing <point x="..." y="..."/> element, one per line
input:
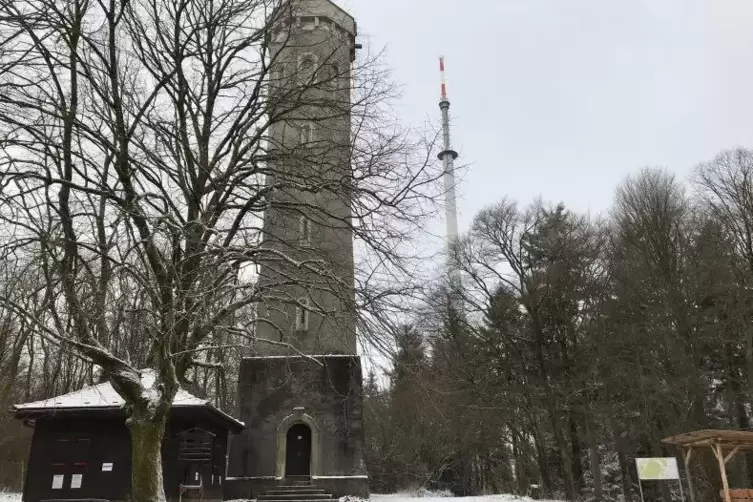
<point x="423" y="495"/>
<point x="10" y="497"/>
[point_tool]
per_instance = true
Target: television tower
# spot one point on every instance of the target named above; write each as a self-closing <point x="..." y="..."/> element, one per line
<point x="448" y="156"/>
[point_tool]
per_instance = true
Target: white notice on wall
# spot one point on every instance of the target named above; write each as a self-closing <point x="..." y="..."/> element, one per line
<point x="76" y="480"/>
<point x="57" y="481"/>
<point x="107" y="467"/>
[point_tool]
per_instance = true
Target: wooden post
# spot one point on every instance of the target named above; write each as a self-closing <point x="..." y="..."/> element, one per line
<point x="717" y="449"/>
<point x="731" y="454"/>
<point x="687" y="456"/>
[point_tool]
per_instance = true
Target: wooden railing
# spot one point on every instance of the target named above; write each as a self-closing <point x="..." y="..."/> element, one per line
<point x="739" y="495"/>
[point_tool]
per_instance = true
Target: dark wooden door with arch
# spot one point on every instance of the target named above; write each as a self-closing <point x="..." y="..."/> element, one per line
<point x="298" y="451"/>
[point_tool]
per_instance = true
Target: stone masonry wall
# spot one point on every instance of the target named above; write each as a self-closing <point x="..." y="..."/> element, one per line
<point x="272" y="390"/>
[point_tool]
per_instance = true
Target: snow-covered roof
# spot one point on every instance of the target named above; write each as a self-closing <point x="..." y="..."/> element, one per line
<point x="103" y="396"/>
<point x="304" y="356"/>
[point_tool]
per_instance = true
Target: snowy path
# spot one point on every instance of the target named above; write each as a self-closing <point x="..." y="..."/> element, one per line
<point x="399" y="497"/>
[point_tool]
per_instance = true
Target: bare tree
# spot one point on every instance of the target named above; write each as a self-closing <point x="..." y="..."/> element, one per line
<point x="547" y="261"/>
<point x="726" y="187"/>
<point x="137" y="165"/>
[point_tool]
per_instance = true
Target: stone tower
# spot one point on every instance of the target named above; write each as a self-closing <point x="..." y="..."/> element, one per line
<point x="300" y="396"/>
<point x="312" y="54"/>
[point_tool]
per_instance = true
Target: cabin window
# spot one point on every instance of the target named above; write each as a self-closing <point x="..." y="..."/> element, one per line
<point x="302" y="315"/>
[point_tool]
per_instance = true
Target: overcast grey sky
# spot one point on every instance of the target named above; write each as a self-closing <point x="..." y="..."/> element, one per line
<point x="563" y="98"/>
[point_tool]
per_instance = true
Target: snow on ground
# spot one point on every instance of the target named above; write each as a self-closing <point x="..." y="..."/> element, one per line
<point x="421" y="496"/>
<point x="426" y="496"/>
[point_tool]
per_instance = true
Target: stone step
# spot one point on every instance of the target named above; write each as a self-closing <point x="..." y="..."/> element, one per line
<point x="302" y="499"/>
<point x="297" y="480"/>
<point x="296" y="496"/>
<point x="298" y="489"/>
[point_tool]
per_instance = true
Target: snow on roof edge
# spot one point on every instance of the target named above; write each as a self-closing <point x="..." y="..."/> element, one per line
<point x="302" y="356"/>
<point x="103" y="396"/>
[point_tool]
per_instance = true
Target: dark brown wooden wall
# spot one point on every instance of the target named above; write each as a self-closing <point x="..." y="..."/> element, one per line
<point x="58" y="447"/>
<point x="74" y="444"/>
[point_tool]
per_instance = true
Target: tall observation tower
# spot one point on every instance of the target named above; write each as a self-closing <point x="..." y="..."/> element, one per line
<point x="300" y="396"/>
<point x="448" y="157"/>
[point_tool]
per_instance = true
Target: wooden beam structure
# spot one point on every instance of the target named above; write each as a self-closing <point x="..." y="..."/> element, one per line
<point x="719" y="454"/>
<point x="724" y="444"/>
<point x="687" y="457"/>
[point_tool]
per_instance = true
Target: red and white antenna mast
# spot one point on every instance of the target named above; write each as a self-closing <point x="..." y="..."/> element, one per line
<point x="448" y="156"/>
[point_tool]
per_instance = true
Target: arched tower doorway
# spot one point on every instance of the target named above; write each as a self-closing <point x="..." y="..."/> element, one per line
<point x="292" y="426"/>
<point x="298" y="450"/>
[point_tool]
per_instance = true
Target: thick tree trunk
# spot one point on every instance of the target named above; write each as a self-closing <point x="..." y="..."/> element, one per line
<point x="147" y="426"/>
<point x="627" y="490"/>
<point x="564" y="451"/>
<point x="522" y="459"/>
<point x="541" y="458"/>
<point x="577" y="466"/>
<point x="595" y="458"/>
<point x="552" y="412"/>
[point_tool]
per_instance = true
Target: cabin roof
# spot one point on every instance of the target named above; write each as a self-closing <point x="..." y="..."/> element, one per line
<point x="104" y="397"/>
<point x="727" y="439"/>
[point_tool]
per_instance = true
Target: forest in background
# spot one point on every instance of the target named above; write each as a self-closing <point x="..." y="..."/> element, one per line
<point x="573" y="346"/>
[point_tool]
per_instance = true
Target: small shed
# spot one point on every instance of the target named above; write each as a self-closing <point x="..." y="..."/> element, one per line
<point x="81" y="446"/>
<point x="724" y="444"/>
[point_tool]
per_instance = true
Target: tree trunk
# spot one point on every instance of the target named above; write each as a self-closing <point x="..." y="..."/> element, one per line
<point x="552" y="410"/>
<point x="743" y="423"/>
<point x="627" y="490"/>
<point x="564" y="450"/>
<point x="654" y="440"/>
<point x="541" y="457"/>
<point x="738" y="469"/>
<point x="522" y="459"/>
<point x="749" y="359"/>
<point x="147" y="426"/>
<point x="595" y="458"/>
<point x="577" y="466"/>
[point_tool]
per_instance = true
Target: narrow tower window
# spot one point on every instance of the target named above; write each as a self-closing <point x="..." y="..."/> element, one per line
<point x="277" y="76"/>
<point x="302" y="315"/>
<point x="306" y="64"/>
<point x="331" y="77"/>
<point x="304" y="231"/>
<point x="306" y="133"/>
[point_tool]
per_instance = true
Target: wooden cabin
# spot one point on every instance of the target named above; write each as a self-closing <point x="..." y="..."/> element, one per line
<point x="81" y="447"/>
